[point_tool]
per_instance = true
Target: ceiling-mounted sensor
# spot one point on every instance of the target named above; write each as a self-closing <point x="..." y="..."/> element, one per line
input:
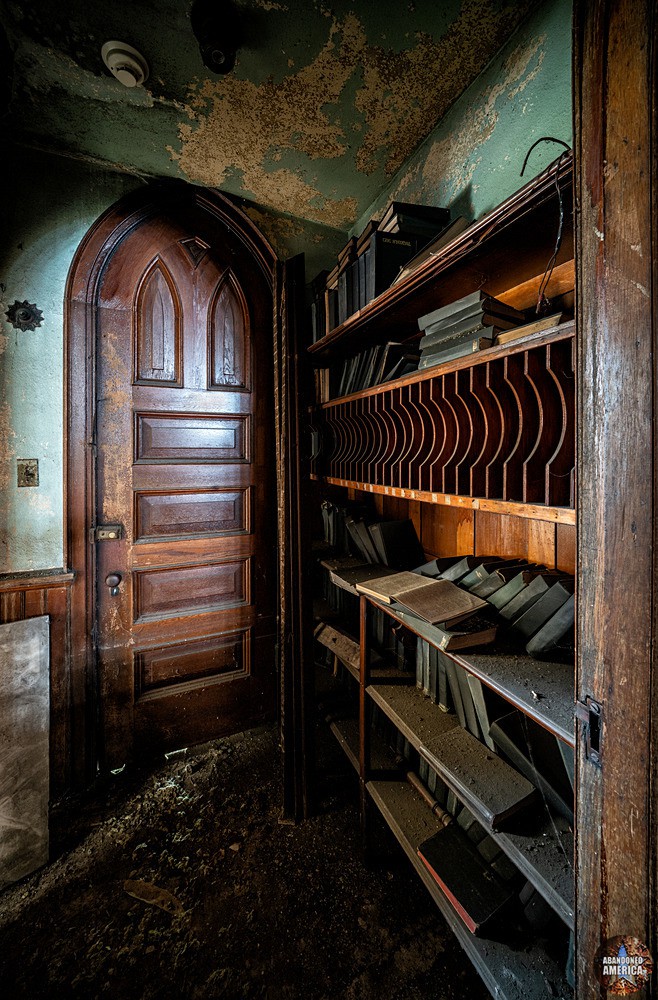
<point x="126" y="63"/>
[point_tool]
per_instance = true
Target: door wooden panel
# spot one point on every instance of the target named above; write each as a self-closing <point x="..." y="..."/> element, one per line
<point x="227" y="337"/>
<point x="185" y="466"/>
<point x="178" y="438"/>
<point x="162" y="515"/>
<point x="158" y="319"/>
<point x="184" y="590"/>
<point x="207" y="659"/>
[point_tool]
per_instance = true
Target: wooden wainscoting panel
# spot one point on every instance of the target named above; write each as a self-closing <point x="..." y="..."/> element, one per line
<point x="31" y="596"/>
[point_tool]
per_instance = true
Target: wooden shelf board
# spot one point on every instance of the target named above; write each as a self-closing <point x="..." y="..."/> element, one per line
<point x="346" y="648"/>
<point x="490" y="787"/>
<point x="566" y="331"/>
<point x="509" y="974"/>
<point x="346" y="732"/>
<point x="533" y="512"/>
<point x="419" y="721"/>
<point x="545" y="856"/>
<point x="514" y="676"/>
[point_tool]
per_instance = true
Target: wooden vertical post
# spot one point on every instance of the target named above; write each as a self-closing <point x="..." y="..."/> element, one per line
<point x="295" y="630"/>
<point x="364" y="723"/>
<point x="614" y="46"/>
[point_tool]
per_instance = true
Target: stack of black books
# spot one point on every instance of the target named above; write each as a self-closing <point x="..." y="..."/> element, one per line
<point x="420" y="220"/>
<point x="464" y="327"/>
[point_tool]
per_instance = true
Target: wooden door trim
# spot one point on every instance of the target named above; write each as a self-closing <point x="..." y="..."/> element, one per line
<point x="81" y="296"/>
<point x="615" y="121"/>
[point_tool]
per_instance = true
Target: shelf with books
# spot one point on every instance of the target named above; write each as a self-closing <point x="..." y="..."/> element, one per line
<point x="522" y="971"/>
<point x="512" y="674"/>
<point x="537" y="841"/>
<point x="501" y="250"/>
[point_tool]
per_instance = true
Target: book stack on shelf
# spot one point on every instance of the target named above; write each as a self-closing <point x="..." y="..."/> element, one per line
<point x="463" y="327"/>
<point x="368" y="264"/>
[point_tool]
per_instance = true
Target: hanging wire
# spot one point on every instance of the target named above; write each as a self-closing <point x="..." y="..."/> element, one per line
<point x="543" y="304"/>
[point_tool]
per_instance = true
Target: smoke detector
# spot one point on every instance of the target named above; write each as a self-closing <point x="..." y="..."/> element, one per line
<point x="125" y="63"/>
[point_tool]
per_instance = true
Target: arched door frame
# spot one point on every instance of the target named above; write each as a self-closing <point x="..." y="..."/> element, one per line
<point x="80" y="312"/>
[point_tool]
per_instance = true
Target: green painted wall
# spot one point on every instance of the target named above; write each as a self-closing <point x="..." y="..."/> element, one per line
<point x="472" y="160"/>
<point x="53" y="203"/>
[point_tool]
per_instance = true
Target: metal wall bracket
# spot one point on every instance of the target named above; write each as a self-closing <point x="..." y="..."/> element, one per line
<point x="590" y="715"/>
<point x="105" y="532"/>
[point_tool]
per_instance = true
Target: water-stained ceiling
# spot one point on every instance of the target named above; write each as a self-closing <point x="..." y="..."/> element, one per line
<point x="326" y="102"/>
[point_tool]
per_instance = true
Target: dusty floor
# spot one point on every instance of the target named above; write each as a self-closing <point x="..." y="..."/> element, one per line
<point x="264" y="909"/>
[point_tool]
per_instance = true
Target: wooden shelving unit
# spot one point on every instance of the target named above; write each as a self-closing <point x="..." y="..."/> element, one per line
<point x="481" y="453"/>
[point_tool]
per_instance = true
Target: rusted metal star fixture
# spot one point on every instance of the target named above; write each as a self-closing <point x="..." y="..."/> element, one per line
<point x="24" y="315"/>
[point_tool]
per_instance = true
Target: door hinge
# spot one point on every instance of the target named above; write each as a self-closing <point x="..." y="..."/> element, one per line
<point x="590" y="715"/>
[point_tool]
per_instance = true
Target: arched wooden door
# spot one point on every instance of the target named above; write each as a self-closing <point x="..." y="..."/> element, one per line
<point x="181" y="542"/>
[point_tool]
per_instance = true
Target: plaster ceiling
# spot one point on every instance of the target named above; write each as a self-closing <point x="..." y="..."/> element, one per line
<point x="325" y="104"/>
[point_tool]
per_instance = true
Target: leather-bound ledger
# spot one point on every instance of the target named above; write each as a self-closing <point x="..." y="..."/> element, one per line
<point x="554" y="632"/>
<point x="440" y="601"/>
<point x="536" y="617"/>
<point x="397" y="543"/>
<point x="535" y="753"/>
<point x="475" y="892"/>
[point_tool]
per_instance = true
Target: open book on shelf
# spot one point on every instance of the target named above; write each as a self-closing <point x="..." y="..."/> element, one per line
<point x="434" y="601"/>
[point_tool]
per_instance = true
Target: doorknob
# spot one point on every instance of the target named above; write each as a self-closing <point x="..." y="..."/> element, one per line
<point x="113" y="580"/>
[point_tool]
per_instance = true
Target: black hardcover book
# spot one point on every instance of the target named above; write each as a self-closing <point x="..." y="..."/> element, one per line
<point x="455" y="690"/>
<point x="407" y="364"/>
<point x="481" y="572"/>
<point x="460" y="347"/>
<point x="434" y="246"/>
<point x="441" y="332"/>
<point x="354" y="278"/>
<point x="525" y="600"/>
<point x="469" y="884"/>
<point x="363" y="254"/>
<point x="555" y="631"/>
<point x="432" y="215"/>
<point x="503" y="596"/>
<point x="468" y="703"/>
<point x="461" y="567"/>
<point x="345" y="306"/>
<point x="442" y="682"/>
<point x="433" y="654"/>
<point x="435" y="567"/>
<point x="397" y="543"/>
<point x="498" y="578"/>
<point x="318" y="306"/>
<point x="331" y="299"/>
<point x="535" y="753"/>
<point x="388" y="253"/>
<point x="479" y="701"/>
<point x="544" y="609"/>
<point x="357" y="541"/>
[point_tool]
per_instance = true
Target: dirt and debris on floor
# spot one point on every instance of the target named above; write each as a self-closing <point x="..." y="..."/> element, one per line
<point x="181" y="882"/>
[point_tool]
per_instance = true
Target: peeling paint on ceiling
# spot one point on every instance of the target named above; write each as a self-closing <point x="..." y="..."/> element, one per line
<point x="323" y="107"/>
